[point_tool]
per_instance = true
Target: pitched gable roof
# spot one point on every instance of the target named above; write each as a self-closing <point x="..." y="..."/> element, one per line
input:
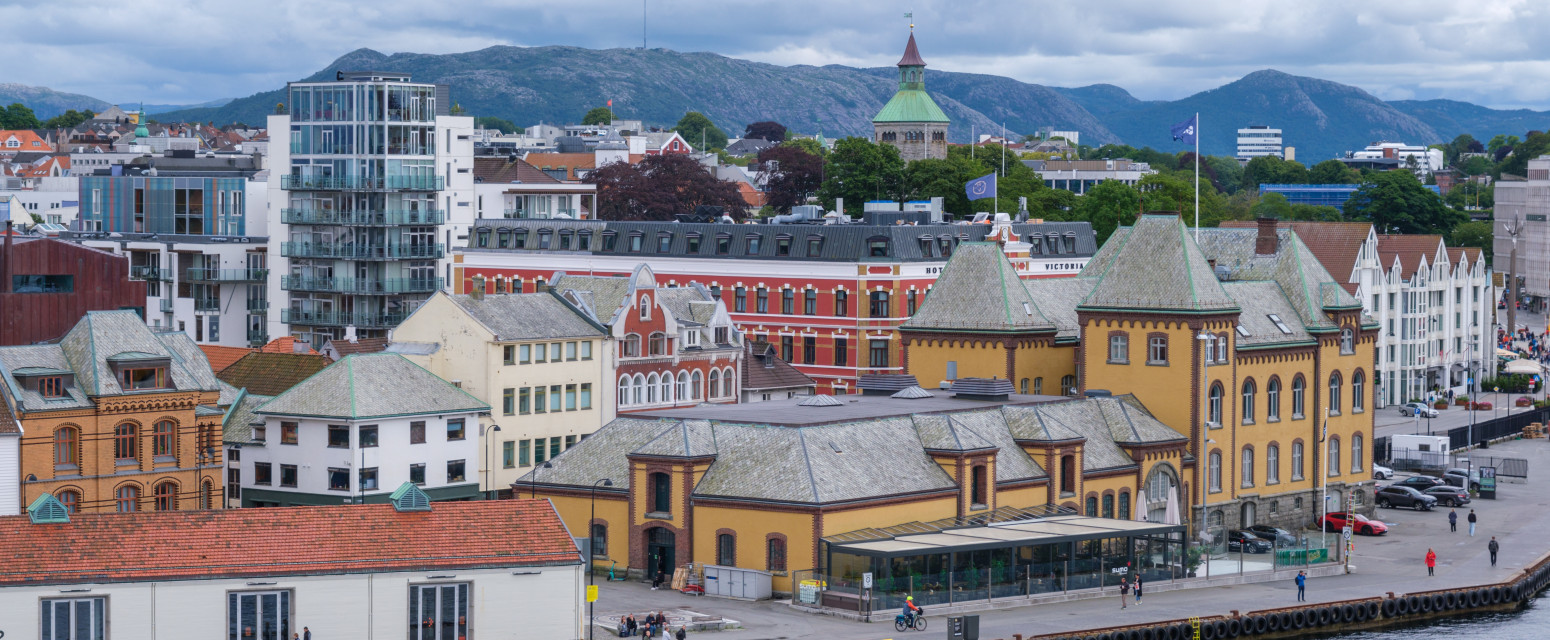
<point x="522" y="316"/>
<point x="1409" y="251"/>
<point x="365" y="386"/>
<point x="271" y="374"/>
<point x="979" y="290"/>
<point x="763" y="369"/>
<point x="1308" y="288"/>
<point x="221" y="357"/>
<point x="1154" y="265"/>
<point x="496" y="169"/>
<point x="1336" y="244"/>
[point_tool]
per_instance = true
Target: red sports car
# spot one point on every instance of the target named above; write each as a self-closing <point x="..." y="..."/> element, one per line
<point x="1362" y="525"/>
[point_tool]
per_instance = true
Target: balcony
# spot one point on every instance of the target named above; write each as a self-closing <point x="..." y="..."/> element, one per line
<point x="207" y="305"/>
<point x="362" y="218"/>
<point x="166" y="305"/>
<point x="361" y="251"/>
<point x="150" y="273"/>
<point x="226" y="275"/>
<point x="341" y="319"/>
<point x="362" y="183"/>
<point x="258" y="337"/>
<point x="362" y="286"/>
<point x="257" y="306"/>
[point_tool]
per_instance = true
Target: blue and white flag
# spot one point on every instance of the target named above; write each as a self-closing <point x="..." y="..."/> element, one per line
<point x="984" y="187"/>
<point x="1185" y="130"/>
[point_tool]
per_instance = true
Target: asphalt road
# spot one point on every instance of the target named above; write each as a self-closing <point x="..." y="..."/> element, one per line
<point x="1388" y="422"/>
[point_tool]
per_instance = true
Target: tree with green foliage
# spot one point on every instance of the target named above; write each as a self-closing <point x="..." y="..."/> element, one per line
<point x="499" y="124"/>
<point x="1333" y="172"/>
<point x="1473" y="234"/>
<point x="1272" y="205"/>
<point x="700" y="132"/>
<point x="1534" y="145"/>
<point x="1397" y="202"/>
<point x="1108" y="206"/>
<point x="806" y="144"/>
<point x="1471" y="195"/>
<point x="1160" y="192"/>
<point x="1475" y="166"/>
<point x="68" y="119"/>
<point x="18" y="116"/>
<point x="1229" y="174"/>
<point x="1499" y="141"/>
<point x="859" y="170"/>
<point x="1273" y="170"/>
<point x="598" y="115"/>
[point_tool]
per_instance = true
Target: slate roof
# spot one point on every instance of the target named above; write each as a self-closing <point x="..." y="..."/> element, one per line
<point x="525" y="316"/>
<point x="1057" y="299"/>
<point x="217" y="543"/>
<point x="748" y="146"/>
<point x="237" y="427"/>
<point x="1308" y="287"/>
<point x="1155" y="266"/>
<point x="1335" y="244"/>
<point x="1259" y="299"/>
<point x="856" y="458"/>
<point x="603" y="295"/>
<point x="763" y="369"/>
<point x="979" y="290"/>
<point x="271" y="374"/>
<point x="366" y="386"/>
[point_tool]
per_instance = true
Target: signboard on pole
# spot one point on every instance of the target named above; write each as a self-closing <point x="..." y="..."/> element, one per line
<point x="1488" y="482"/>
<point x="866" y="580"/>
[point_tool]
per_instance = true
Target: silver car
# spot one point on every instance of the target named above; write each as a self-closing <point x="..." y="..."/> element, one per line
<point x="1417" y="409"/>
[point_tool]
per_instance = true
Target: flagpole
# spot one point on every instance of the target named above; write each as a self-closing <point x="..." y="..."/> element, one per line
<point x="1197" y="177"/>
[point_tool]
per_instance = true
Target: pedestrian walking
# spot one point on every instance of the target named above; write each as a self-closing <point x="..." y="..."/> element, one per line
<point x="1471" y="523"/>
<point x="682" y="633"/>
<point x="306" y="634"/>
<point x="1124" y="592"/>
<point x="1431" y="562"/>
<point x="1494" y="547"/>
<point x="1302" y="583"/>
<point x="1138" y="588"/>
<point x="1453" y="520"/>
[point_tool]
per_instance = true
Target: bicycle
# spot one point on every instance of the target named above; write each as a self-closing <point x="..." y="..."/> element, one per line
<point x="901" y="623"/>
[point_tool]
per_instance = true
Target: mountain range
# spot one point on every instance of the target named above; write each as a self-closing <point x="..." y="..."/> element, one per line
<point x="556" y="84"/>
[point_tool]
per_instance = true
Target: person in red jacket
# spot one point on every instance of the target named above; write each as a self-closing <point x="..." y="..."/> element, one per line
<point x="1431" y="562"/>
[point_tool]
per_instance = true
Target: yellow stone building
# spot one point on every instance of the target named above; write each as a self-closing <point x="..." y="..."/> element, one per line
<point x="1241" y="340"/>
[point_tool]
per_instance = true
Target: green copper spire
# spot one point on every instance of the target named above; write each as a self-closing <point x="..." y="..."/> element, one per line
<point x="141" y="131"/>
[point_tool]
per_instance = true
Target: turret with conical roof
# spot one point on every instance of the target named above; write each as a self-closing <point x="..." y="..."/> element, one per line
<point x="141" y="131"/>
<point x="911" y="121"/>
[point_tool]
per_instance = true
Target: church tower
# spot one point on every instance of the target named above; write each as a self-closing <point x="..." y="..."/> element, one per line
<point x="911" y="121"/>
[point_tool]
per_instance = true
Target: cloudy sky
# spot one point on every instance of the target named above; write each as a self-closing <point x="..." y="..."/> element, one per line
<point x="1492" y="52"/>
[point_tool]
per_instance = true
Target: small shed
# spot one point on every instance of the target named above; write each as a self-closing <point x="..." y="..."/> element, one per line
<point x="734" y="582"/>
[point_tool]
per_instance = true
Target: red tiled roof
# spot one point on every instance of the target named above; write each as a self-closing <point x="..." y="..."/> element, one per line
<point x="28" y="140"/>
<point x="286" y="344"/>
<point x="271" y="374"/>
<point x="763" y="369"/>
<point x="1335" y="244"/>
<point x="1409" y="249"/>
<point x="246" y="543"/>
<point x="752" y="196"/>
<point x="492" y="169"/>
<point x="361" y="345"/>
<point x="221" y="357"/>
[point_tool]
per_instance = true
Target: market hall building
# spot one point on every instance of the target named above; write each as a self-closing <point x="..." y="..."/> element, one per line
<point x="780" y="486"/>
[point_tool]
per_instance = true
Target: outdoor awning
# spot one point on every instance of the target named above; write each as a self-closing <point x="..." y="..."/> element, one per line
<point x="1523" y="366"/>
<point x="1056" y="529"/>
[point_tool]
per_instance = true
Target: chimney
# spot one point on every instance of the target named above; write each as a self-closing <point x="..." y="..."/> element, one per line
<point x="477" y="290"/>
<point x="1265" y="240"/>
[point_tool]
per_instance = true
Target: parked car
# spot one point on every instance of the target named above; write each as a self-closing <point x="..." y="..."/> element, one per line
<point x="1463" y="478"/>
<point x="1361" y="524"/>
<point x="1417" y="409"/>
<point x="1419" y="483"/>
<point x="1448" y="495"/>
<point x="1396" y="495"/>
<point x="1276" y="535"/>
<point x="1380" y="472"/>
<point x="1247" y="542"/>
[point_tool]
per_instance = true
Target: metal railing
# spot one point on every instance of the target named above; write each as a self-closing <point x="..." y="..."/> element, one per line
<point x="258" y="305"/>
<point x="362" y="218"/>
<point x="166" y="305"/>
<point x="150" y="273"/>
<point x="341" y="319"/>
<point x="207" y="305"/>
<point x="366" y="286"/>
<point x="362" y="183"/>
<point x="258" y="337"/>
<point x="360" y="251"/>
<point x="226" y="275"/>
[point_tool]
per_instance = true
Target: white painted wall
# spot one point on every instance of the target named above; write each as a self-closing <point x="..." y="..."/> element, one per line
<point x="10" y="474"/>
<point x="540" y="603"/>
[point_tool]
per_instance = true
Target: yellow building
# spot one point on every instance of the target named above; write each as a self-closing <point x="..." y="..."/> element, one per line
<point x="1242" y="340"/>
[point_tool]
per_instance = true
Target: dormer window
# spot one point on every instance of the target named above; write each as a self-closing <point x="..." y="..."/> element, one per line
<point x="636" y="240"/>
<point x="692" y="243"/>
<point x="1347" y="342"/>
<point x="645" y="307"/>
<point x="754" y="242"/>
<point x="925" y="246"/>
<point x="139" y="378"/>
<point x="664" y="243"/>
<point x="51" y="386"/>
<point x="723" y="244"/>
<point x="783" y="245"/>
<point x="877" y="247"/>
<point x="543" y="238"/>
<point x="584" y="241"/>
<point x="814" y="246"/>
<point x="692" y="338"/>
<point x="610" y="241"/>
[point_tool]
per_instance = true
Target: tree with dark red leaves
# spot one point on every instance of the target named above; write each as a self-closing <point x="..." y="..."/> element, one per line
<point x="795" y="174"/>
<point x="661" y="187"/>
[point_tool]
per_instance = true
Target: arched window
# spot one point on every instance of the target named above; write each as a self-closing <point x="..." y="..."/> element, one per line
<point x="775" y="555"/>
<point x="629" y="347"/>
<point x="1333" y="464"/>
<point x="1215" y="472"/>
<point x="1334" y="393"/>
<point x="1248" y="402"/>
<point x="1214" y="405"/>
<point x="1273" y="464"/>
<point x="1356" y="453"/>
<point x="726" y="550"/>
<point x="645" y="307"/>
<point x="127" y="499"/>
<point x="1038" y="386"/>
<point x="124" y="442"/>
<point x="1124" y="505"/>
<point x="1092" y="506"/>
<point x="67" y="442"/>
<point x="1246" y="467"/>
<point x="683" y="386"/>
<point x="1347" y="342"/>
<point x="1297" y="469"/>
<point x="695" y="385"/>
<point x="166" y="496"/>
<point x="1067" y="385"/>
<point x="715" y="384"/>
<point x="728" y="378"/>
<point x="637" y="389"/>
<point x="624" y="390"/>
<point x="1221" y="347"/>
<point x="1358" y="395"/>
<point x="1273" y="400"/>
<point x="665" y="389"/>
<point x="651" y="388"/>
<point x="71" y="499"/>
<point x="600" y="539"/>
<point x="657" y="344"/>
<point x="1299" y="394"/>
<point x="164" y="439"/>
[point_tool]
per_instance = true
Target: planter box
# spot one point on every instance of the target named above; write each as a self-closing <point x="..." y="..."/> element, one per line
<point x="1440" y="405"/>
<point x="1461" y="401"/>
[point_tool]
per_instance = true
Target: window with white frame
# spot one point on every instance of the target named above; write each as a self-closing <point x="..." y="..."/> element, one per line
<point x="438" y="611"/>
<point x="73" y="619"/>
<point x="258" y="615"/>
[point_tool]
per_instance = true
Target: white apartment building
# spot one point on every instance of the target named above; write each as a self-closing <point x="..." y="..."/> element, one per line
<point x="510" y="187"/>
<point x="1526" y="200"/>
<point x="1419" y="158"/>
<point x="1078" y="176"/>
<point x="374" y="183"/>
<point x="359" y="429"/>
<point x="1259" y="140"/>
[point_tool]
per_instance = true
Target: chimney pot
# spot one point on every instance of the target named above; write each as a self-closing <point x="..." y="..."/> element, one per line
<point x="1265" y="240"/>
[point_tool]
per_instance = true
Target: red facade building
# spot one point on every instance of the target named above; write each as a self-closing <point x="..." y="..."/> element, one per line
<point x="47" y="286"/>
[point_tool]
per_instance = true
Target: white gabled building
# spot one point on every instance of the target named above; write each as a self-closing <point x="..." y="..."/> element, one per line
<point x="356" y="430"/>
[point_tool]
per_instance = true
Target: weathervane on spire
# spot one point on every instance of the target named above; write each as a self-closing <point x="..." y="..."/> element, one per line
<point x="911" y="17"/>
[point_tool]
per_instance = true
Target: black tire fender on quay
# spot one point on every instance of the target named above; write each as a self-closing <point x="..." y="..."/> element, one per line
<point x="1388" y="608"/>
<point x="1261" y="624"/>
<point x="1234" y="628"/>
<point x="1426" y="604"/>
<point x="1348" y="613"/>
<point x="1476" y="597"/>
<point x="1402" y="606"/>
<point x="1373" y="609"/>
<point x="1137" y="634"/>
<point x="1439" y="603"/>
<point x="1222" y="628"/>
<point x="1325" y="615"/>
<point x="1451" y="600"/>
<point x="1496" y="595"/>
<point x="1186" y="631"/>
<point x="1105" y="636"/>
<point x="1414" y="604"/>
<point x="1274" y="621"/>
<point x="1299" y="619"/>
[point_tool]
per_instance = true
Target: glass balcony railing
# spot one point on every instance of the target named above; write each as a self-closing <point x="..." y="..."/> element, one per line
<point x="360" y="251"/>
<point x="258" y="306"/>
<point x="150" y="273"/>
<point x="362" y="183"/>
<point x="227" y="275"/>
<point x="258" y="337"/>
<point x="362" y="218"/>
<point x="207" y="305"/>
<point x="361" y="286"/>
<point x="341" y="319"/>
<point x="166" y="305"/>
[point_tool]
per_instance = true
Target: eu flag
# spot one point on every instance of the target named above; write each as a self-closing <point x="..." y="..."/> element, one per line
<point x="1185" y="130"/>
<point x="984" y="187"/>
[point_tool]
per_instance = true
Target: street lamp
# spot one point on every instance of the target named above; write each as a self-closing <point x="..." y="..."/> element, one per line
<point x="534" y="484"/>
<point x="1205" y="426"/>
<point x="489" y="469"/>
<point x="591" y="559"/>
